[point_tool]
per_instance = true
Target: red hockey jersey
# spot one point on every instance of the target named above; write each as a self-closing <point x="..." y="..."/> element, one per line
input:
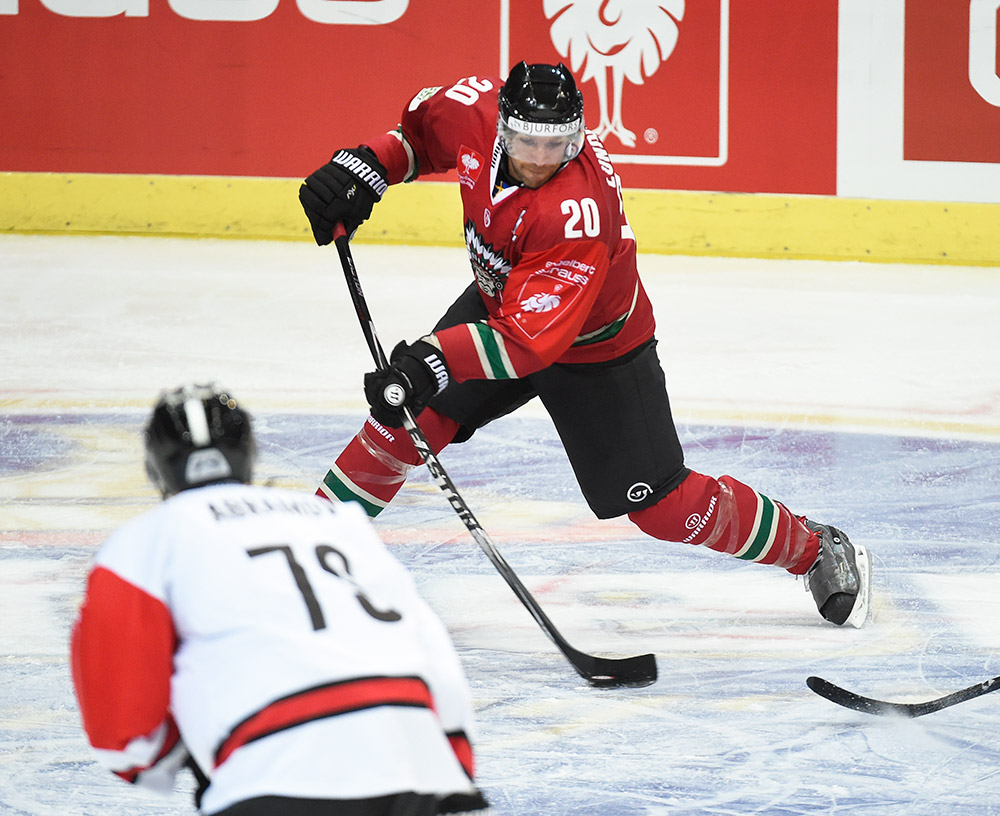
<point x="556" y="266"/>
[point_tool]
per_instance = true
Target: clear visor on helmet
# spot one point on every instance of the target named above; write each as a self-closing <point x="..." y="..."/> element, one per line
<point x="540" y="142"/>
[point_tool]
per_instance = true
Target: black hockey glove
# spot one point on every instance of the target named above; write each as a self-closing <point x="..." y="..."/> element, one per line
<point x="416" y="374"/>
<point x="343" y="191"/>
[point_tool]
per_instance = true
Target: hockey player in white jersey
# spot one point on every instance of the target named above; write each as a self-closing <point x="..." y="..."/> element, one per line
<point x="267" y="640"/>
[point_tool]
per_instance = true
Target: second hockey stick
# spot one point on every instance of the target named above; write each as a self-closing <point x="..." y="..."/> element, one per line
<point x="869" y="705"/>
<point x="636" y="671"/>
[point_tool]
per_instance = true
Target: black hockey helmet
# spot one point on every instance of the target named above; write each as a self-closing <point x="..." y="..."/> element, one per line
<point x="541" y="101"/>
<point x="198" y="435"/>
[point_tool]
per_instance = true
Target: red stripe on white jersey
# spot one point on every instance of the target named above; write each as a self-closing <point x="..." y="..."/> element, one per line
<point x="326" y="701"/>
<point x="463" y="750"/>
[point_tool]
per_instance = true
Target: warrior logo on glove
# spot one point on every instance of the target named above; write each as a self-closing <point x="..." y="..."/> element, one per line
<point x="415" y="375"/>
<point x="349" y="160"/>
<point x="343" y="191"/>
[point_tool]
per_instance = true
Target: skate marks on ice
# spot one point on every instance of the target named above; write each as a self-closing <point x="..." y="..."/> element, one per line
<point x="710" y="752"/>
<point x="730" y="726"/>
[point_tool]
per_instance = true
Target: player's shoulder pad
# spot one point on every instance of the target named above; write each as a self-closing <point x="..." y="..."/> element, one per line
<point x="422" y="96"/>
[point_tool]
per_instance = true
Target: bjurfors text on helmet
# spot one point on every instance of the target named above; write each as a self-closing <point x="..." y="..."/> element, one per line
<point x="544" y="128"/>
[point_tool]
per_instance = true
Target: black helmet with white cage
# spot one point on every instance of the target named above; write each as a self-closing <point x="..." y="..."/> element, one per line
<point x="540" y="104"/>
<point x="198" y="435"/>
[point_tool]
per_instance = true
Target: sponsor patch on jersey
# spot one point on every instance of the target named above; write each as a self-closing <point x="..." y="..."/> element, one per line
<point x="542" y="302"/>
<point x="470" y="165"/>
<point x="542" y="299"/>
<point x="425" y="94"/>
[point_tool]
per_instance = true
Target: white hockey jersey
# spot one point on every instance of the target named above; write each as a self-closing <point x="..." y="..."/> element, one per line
<point x="271" y="635"/>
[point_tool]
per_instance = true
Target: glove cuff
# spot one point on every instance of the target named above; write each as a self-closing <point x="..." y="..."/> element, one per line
<point x="433" y="359"/>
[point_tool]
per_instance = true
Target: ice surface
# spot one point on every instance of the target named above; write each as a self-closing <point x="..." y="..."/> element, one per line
<point x="863" y="395"/>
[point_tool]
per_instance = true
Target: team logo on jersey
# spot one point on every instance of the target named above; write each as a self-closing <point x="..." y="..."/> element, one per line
<point x="542" y="302"/>
<point x="470" y="165"/>
<point x="490" y="266"/>
<point x="543" y="297"/>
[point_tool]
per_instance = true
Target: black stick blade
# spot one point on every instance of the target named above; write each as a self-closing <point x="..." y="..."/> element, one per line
<point x="869" y="705"/>
<point x="615" y="672"/>
<point x="848" y="699"/>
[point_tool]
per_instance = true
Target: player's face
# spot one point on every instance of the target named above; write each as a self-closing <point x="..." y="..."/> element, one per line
<point x="532" y="174"/>
<point x="536" y="151"/>
<point x="533" y="160"/>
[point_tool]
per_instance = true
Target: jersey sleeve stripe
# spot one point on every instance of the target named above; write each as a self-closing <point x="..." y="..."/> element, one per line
<point x="492" y="353"/>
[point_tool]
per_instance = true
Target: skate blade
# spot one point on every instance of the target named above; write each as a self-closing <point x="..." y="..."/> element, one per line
<point x="862" y="611"/>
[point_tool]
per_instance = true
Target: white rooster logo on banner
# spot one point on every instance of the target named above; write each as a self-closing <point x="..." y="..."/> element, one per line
<point x="629" y="38"/>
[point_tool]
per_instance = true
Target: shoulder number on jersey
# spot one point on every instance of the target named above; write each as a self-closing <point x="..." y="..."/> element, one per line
<point x="467" y="90"/>
<point x="334" y="562"/>
<point x="582" y="218"/>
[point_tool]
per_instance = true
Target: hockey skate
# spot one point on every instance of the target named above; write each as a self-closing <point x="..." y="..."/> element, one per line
<point x="840" y="577"/>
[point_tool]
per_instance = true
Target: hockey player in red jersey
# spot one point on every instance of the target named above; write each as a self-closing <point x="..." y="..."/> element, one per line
<point x="558" y="311"/>
<point x="267" y="640"/>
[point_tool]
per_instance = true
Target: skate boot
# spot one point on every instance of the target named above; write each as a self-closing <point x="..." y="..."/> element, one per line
<point x="840" y="577"/>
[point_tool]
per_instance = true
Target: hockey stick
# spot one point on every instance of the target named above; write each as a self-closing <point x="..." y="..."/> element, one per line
<point x="868" y="705"/>
<point x="636" y="671"/>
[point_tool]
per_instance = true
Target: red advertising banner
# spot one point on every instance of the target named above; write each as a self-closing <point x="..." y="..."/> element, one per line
<point x="158" y="92"/>
<point x="662" y="68"/>
<point x="701" y="95"/>
<point x="951" y="88"/>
